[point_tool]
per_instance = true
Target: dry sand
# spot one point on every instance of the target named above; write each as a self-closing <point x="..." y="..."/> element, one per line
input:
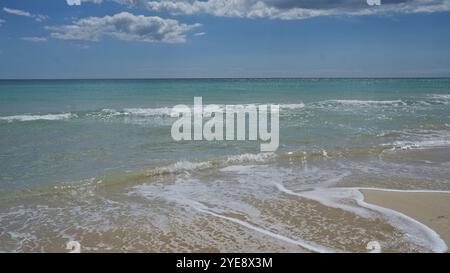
<point x="429" y="208"/>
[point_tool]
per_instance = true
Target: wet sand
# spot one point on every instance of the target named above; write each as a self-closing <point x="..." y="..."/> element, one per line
<point x="429" y="208"/>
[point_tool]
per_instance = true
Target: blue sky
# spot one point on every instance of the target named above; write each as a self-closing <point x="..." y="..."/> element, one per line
<point x="218" y="38"/>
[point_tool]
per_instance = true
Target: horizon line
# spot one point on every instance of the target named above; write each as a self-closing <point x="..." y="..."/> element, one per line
<point x="217" y="78"/>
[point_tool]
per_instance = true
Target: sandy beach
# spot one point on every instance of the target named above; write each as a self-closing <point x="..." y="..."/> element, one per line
<point x="429" y="208"/>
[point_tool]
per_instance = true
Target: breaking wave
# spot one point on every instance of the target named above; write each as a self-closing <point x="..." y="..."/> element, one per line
<point x="39" y="117"/>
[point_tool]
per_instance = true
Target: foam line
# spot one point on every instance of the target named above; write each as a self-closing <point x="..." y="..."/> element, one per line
<point x="433" y="240"/>
<point x="395" y="190"/>
<point x="310" y="246"/>
<point x="312" y="195"/>
<point x="38" y="117"/>
<point x="437" y="244"/>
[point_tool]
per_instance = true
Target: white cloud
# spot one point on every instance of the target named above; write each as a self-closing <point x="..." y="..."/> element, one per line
<point x="40" y="17"/>
<point x="283" y="9"/>
<point x="1" y="22"/>
<point x="73" y="2"/>
<point x="124" y="26"/>
<point x="35" y="39"/>
<point x="78" y="2"/>
<point x="295" y="9"/>
<point x="199" y="33"/>
<point x="18" y="12"/>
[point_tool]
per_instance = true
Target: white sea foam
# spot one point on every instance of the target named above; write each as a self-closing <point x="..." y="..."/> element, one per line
<point x="443" y="99"/>
<point x="38" y="117"/>
<point x="181" y="166"/>
<point x="292" y="106"/>
<point x="105" y="114"/>
<point x="339" y="197"/>
<point x="261" y="157"/>
<point x="420" y="233"/>
<point x="440" y="96"/>
<point x="127" y="112"/>
<point x="307" y="245"/>
<point x="421" y="139"/>
<point x="423" y="144"/>
<point x="209" y="198"/>
<point x="146" y="112"/>
<point x="239" y="169"/>
<point x="417" y="139"/>
<point x="364" y="102"/>
<point x="165" y="111"/>
<point x="329" y="198"/>
<point x="406" y="191"/>
<point x="186" y="166"/>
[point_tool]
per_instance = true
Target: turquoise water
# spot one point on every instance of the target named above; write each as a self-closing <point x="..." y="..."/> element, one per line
<point x="392" y="133"/>
<point x="54" y="131"/>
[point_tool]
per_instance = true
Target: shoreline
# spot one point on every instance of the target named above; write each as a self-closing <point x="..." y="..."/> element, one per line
<point x="431" y="208"/>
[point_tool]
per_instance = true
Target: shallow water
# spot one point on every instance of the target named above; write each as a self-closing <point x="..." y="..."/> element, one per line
<point x="94" y="161"/>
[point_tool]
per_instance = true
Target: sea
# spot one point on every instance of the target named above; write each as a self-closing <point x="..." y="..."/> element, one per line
<point x="93" y="161"/>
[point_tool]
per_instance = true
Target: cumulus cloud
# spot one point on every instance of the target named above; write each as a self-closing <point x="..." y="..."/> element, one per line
<point x="124" y="26"/>
<point x="73" y="2"/>
<point x="18" y="12"/>
<point x="283" y="9"/>
<point x="124" y="2"/>
<point x="35" y="39"/>
<point x="295" y="9"/>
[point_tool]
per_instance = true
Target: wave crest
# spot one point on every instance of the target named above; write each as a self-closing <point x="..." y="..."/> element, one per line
<point x="39" y="117"/>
